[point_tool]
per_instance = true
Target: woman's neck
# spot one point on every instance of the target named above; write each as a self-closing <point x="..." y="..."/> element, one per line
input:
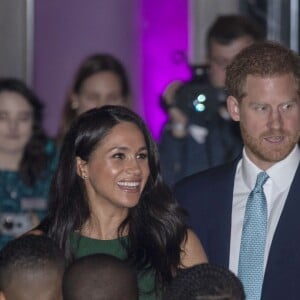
<point x="10" y="161"/>
<point x="103" y="225"/>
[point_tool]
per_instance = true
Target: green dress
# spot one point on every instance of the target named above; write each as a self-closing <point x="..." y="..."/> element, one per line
<point x="83" y="246"/>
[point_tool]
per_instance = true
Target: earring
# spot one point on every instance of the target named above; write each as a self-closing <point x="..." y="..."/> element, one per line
<point x="74" y="105"/>
<point x="84" y="177"/>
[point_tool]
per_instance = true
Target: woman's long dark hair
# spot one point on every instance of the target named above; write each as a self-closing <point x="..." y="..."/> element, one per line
<point x="156" y="224"/>
<point x="35" y="159"/>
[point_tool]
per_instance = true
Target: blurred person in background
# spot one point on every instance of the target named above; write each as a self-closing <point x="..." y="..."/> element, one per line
<point x="100" y="80"/>
<point x="200" y="133"/>
<point x="28" y="158"/>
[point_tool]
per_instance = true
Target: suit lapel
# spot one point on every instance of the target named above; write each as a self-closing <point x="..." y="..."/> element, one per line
<point x="284" y="255"/>
<point x="221" y="229"/>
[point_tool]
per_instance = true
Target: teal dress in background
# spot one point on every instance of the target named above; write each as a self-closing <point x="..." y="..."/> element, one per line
<point x="23" y="206"/>
<point x="84" y="246"/>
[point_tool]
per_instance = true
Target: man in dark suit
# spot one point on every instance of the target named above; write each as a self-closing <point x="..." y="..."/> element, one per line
<point x="200" y="135"/>
<point x="263" y="84"/>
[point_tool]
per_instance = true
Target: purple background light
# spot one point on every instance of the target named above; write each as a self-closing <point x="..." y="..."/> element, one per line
<point x="164" y="39"/>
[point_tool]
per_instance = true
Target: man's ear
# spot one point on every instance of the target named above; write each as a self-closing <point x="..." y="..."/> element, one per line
<point x="233" y="107"/>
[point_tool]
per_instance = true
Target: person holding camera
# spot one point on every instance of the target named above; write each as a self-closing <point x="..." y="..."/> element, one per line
<point x="200" y="133"/>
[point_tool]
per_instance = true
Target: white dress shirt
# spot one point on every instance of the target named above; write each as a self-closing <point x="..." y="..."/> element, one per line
<point x="276" y="189"/>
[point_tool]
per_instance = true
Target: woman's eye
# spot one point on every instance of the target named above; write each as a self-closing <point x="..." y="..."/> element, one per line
<point x="119" y="155"/>
<point x="25" y="118"/>
<point x="3" y="115"/>
<point x="143" y="156"/>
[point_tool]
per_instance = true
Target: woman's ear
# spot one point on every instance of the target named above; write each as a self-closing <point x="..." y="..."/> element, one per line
<point x="81" y="168"/>
<point x="233" y="107"/>
<point x="74" y="103"/>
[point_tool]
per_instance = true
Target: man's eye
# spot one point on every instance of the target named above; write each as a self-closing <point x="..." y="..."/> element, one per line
<point x="260" y="107"/>
<point x="288" y="106"/>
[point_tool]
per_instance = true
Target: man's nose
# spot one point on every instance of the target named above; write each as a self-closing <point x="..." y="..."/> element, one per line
<point x="275" y="119"/>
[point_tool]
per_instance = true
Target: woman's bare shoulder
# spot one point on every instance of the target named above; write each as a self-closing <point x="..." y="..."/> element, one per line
<point x="34" y="232"/>
<point x="192" y="251"/>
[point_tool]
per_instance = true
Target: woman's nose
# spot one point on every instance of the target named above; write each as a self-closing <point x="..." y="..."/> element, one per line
<point x="133" y="166"/>
<point x="13" y="125"/>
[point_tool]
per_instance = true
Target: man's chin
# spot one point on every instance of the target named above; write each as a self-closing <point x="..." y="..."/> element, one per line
<point x="275" y="155"/>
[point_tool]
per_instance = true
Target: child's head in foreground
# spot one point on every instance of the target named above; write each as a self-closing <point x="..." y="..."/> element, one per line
<point x="100" y="277"/>
<point x="205" y="282"/>
<point x="31" y="268"/>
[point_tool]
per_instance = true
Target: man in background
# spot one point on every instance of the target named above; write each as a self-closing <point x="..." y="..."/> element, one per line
<point x="199" y="133"/>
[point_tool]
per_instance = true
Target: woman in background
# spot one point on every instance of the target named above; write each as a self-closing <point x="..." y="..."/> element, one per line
<point x="100" y="80"/>
<point x="108" y="197"/>
<point x="27" y="160"/>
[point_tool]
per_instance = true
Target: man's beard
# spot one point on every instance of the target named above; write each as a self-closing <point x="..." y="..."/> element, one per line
<point x="270" y="153"/>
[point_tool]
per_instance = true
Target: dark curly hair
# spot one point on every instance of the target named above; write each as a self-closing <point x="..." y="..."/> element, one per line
<point x="100" y="276"/>
<point x="156" y="224"/>
<point x="227" y="28"/>
<point x="27" y="254"/>
<point x="35" y="158"/>
<point x="205" y="282"/>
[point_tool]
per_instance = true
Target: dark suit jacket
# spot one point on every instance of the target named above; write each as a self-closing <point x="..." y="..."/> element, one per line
<point x="207" y="196"/>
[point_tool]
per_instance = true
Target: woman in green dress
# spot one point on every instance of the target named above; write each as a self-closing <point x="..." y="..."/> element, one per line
<point x="108" y="196"/>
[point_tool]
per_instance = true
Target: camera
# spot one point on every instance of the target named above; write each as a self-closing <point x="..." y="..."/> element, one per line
<point x="198" y="99"/>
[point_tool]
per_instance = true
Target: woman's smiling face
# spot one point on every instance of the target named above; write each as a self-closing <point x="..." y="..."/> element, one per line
<point x="118" y="169"/>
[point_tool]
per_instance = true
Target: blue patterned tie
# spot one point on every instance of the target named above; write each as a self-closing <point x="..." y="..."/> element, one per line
<point x="251" y="261"/>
